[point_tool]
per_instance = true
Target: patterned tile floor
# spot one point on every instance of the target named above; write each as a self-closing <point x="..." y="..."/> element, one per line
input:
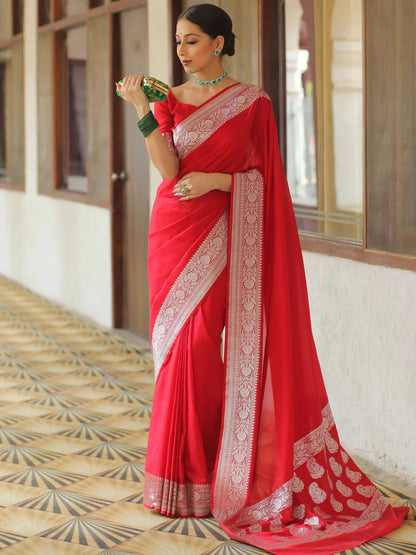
<point x="75" y="402"/>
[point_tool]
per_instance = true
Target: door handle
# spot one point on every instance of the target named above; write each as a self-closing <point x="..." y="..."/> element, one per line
<point x="118" y="176"/>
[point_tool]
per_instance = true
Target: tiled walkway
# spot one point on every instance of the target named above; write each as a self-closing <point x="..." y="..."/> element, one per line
<point x="75" y="403"/>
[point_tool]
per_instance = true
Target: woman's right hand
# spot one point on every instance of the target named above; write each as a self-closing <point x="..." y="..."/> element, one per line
<point x="131" y="91"/>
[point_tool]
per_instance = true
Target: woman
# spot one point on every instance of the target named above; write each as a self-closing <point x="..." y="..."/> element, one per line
<point x="251" y="440"/>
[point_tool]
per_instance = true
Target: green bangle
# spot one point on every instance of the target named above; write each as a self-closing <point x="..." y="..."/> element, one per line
<point x="147" y="123"/>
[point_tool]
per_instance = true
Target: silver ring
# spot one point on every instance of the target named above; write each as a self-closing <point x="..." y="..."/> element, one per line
<point x="184" y="190"/>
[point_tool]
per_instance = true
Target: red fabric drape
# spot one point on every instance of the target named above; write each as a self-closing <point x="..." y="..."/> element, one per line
<point x="282" y="481"/>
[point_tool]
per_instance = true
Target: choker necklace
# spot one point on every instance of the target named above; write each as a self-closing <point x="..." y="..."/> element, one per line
<point x="213" y="82"/>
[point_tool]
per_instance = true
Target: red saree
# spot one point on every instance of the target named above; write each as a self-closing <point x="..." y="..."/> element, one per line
<point x="251" y="440"/>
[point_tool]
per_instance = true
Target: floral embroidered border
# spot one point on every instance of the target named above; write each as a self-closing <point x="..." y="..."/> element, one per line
<point x="167" y="135"/>
<point x="279" y="500"/>
<point x="189" y="289"/>
<point x="175" y="499"/>
<point x="243" y="345"/>
<point x="313" y="442"/>
<point x="200" y="125"/>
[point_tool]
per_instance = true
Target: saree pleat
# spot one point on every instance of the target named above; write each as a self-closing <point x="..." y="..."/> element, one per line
<point x="271" y="469"/>
<point x="186" y="417"/>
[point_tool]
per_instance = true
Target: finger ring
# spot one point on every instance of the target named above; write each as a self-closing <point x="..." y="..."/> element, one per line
<point x="184" y="190"/>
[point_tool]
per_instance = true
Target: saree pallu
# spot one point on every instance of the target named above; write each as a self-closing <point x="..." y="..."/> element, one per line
<point x="251" y="440"/>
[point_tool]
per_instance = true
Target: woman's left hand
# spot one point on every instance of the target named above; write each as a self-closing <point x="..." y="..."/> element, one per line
<point x="197" y="184"/>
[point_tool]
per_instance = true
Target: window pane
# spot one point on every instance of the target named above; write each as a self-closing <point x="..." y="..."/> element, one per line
<point x="44" y="12"/>
<point x="4" y="70"/>
<point x="6" y="19"/>
<point x="391" y="125"/>
<point x="11" y="114"/>
<point x="324" y="121"/>
<point x="71" y="7"/>
<point x="17" y="17"/>
<point x="74" y="97"/>
<point x="99" y="105"/>
<point x="45" y="110"/>
<point x="15" y="113"/>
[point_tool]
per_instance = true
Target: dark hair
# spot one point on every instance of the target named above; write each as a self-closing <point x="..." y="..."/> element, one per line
<point x="213" y="21"/>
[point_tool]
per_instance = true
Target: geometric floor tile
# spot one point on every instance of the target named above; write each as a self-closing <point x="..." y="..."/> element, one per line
<point x="133" y="472"/>
<point x="28" y="522"/>
<point x="61" y="445"/>
<point x="15" y="437"/>
<point x="411" y="515"/>
<point x="50" y="401"/>
<point x="131" y="515"/>
<point x="38" y="387"/>
<point x="157" y="543"/>
<point x="207" y="528"/>
<point x="236" y="548"/>
<point x="87" y="531"/>
<point x="105" y="407"/>
<point x="140" y="412"/>
<point x="89" y="431"/>
<point x="65" y="502"/>
<point x="7" y="419"/>
<point x="114" y="451"/>
<point x="43" y="426"/>
<point x="11" y="494"/>
<point x="75" y="405"/>
<point x="112" y="552"/>
<point x="136" y="498"/>
<point x="43" y="477"/>
<point x="8" y="538"/>
<point x="105" y="488"/>
<point x="131" y="398"/>
<point x="138" y="440"/>
<point x="72" y="416"/>
<point x="44" y="546"/>
<point x="108" y="384"/>
<point x="27" y="455"/>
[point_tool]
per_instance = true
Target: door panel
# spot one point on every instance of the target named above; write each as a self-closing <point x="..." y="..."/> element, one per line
<point x="133" y="191"/>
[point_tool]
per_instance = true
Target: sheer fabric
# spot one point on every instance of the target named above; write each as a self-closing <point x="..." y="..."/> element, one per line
<point x="251" y="440"/>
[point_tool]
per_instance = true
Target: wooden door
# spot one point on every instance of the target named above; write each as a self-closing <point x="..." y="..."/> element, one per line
<point x="131" y="182"/>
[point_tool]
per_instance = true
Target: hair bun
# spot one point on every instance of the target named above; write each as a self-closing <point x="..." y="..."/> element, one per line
<point x="213" y="21"/>
<point x="229" y="44"/>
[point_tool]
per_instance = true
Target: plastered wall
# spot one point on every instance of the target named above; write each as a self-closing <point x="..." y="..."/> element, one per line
<point x="363" y="318"/>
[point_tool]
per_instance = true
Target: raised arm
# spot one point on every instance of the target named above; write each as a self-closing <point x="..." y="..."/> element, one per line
<point x="164" y="160"/>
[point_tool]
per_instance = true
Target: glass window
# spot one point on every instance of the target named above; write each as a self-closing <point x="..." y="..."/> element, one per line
<point x="4" y="55"/>
<point x="72" y="7"/>
<point x="6" y="18"/>
<point x="391" y="125"/>
<point x="324" y="119"/>
<point x="17" y="17"/>
<point x="11" y="115"/>
<point x="73" y="109"/>
<point x="44" y="12"/>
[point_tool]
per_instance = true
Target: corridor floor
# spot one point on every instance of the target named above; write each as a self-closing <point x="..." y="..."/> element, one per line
<point x="75" y="402"/>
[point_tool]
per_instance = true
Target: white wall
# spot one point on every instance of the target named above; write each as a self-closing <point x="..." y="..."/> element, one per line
<point x="57" y="248"/>
<point x="363" y="318"/>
